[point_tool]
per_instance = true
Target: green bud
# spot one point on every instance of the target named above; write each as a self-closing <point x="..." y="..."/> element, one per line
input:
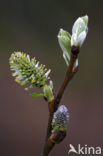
<point x="64" y="39"/>
<point x="79" y="31"/>
<point x="48" y="93"/>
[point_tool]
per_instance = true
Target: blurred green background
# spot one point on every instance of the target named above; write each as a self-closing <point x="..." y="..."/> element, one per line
<point x="32" y="27"/>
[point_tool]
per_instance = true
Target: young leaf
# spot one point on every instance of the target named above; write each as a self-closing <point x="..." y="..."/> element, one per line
<point x="64" y="39"/>
<point x="36" y="94"/>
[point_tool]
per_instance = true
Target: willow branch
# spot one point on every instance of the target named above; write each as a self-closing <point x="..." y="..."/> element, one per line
<point x="53" y="105"/>
<point x="47" y="144"/>
<point x="69" y="75"/>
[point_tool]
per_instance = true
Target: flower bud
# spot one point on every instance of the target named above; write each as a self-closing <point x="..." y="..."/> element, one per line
<point x="60" y="119"/>
<point x="64" y="39"/>
<point x="28" y="71"/>
<point x="79" y="31"/>
<point x="48" y="91"/>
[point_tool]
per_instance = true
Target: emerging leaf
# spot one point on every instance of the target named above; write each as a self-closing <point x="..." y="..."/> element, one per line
<point x="48" y="91"/>
<point x="79" y="31"/>
<point x="37" y="94"/>
<point x="64" y="39"/>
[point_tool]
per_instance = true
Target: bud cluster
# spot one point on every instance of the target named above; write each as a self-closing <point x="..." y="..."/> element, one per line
<point x="68" y="42"/>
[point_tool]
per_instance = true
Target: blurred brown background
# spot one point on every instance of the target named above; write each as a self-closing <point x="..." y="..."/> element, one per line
<point x="32" y="26"/>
